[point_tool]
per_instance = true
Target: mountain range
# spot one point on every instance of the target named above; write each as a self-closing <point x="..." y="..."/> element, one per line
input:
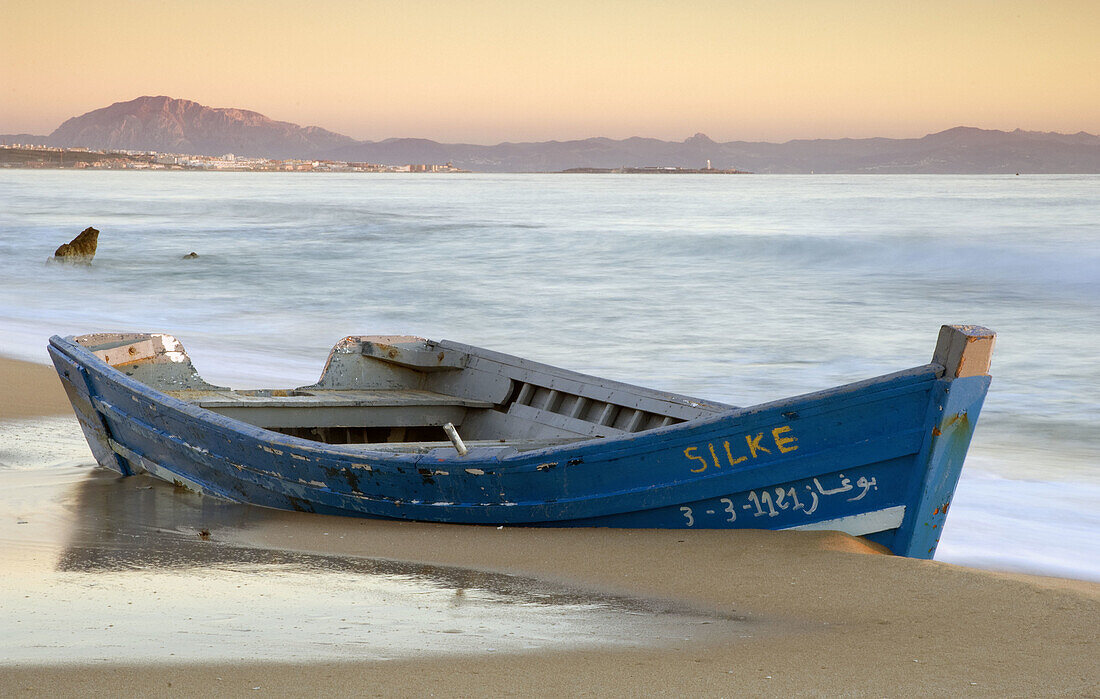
<point x="182" y="126"/>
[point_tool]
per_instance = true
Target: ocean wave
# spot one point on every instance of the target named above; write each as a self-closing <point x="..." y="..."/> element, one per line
<point x="1024" y="526"/>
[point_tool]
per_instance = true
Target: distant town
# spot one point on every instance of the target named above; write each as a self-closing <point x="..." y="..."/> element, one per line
<point x="47" y="157"/>
<point x="657" y="170"/>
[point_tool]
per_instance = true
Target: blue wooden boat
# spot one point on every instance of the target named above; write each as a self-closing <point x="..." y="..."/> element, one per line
<point x="408" y="428"/>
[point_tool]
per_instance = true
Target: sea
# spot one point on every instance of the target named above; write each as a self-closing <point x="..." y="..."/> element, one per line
<point x="739" y="288"/>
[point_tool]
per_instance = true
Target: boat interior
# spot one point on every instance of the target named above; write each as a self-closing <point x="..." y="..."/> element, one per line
<point x="399" y="392"/>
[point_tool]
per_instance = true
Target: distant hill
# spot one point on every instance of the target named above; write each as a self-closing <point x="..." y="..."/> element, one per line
<point x="960" y="150"/>
<point x="11" y="139"/>
<point x="181" y="126"/>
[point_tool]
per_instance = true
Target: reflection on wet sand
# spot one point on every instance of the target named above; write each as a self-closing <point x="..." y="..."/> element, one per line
<point x="140" y="523"/>
<point x="142" y="572"/>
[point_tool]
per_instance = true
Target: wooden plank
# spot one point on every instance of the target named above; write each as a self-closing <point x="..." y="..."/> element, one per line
<point x="579" y="406"/>
<point x="525" y="393"/>
<point x="551" y="397"/>
<point x="593" y="387"/>
<point x="563" y="422"/>
<point x="635" y="421"/>
<point x="414" y="353"/>
<point x="336" y="398"/>
<point x="500" y="378"/>
<point x="124" y="353"/>
<point x="964" y="350"/>
<point x="487" y="424"/>
<point x="345" y="416"/>
<point x="517" y="444"/>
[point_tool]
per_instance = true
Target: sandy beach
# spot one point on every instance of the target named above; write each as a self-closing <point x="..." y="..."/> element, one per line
<point x="30" y="390"/>
<point x="792" y="613"/>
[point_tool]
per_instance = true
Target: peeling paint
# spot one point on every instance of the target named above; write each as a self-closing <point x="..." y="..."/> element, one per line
<point x="173" y="348"/>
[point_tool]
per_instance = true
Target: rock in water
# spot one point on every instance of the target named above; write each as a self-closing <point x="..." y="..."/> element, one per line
<point x="81" y="248"/>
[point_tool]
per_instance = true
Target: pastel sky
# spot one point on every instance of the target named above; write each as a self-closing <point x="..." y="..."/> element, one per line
<point x="486" y="71"/>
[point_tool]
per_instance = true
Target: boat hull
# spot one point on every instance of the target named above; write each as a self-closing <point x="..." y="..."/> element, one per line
<point x="878" y="459"/>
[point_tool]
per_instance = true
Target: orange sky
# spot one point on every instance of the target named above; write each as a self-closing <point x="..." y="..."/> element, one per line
<point x="486" y="71"/>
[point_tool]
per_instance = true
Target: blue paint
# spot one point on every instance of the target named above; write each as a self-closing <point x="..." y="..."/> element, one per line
<point x="864" y="450"/>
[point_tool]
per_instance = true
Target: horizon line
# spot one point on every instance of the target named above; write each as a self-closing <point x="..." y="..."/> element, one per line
<point x="695" y="135"/>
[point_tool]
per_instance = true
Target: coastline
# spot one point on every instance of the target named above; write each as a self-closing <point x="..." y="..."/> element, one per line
<point x="847" y="620"/>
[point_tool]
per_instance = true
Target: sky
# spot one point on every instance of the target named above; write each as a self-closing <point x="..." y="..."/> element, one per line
<point x="487" y="71"/>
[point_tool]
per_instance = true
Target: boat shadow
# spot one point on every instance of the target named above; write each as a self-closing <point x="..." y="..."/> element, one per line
<point x="142" y="524"/>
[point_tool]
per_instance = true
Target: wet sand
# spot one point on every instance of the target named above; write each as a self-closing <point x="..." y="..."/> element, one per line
<point x="793" y="613"/>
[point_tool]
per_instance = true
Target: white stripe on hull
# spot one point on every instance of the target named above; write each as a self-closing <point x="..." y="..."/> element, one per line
<point x="858" y="525"/>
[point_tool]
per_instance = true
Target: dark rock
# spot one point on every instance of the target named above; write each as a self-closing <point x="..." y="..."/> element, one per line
<point x="190" y="255"/>
<point x="81" y="248"/>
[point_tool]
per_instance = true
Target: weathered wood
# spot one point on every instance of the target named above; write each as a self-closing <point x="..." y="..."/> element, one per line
<point x="482" y="373"/>
<point x="412" y="352"/>
<point x="320" y="398"/>
<point x="348" y="368"/>
<point x="576" y="383"/>
<point x="964" y="350"/>
<point x="127" y="352"/>
<point x="333" y="408"/>
<point x="155" y="359"/>
<point x="270" y="415"/>
<point x="485" y="424"/>
<point x="563" y="422"/>
<point x="504" y="446"/>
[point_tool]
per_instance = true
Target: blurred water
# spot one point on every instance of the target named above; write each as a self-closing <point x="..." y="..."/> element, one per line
<point x="737" y="288"/>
